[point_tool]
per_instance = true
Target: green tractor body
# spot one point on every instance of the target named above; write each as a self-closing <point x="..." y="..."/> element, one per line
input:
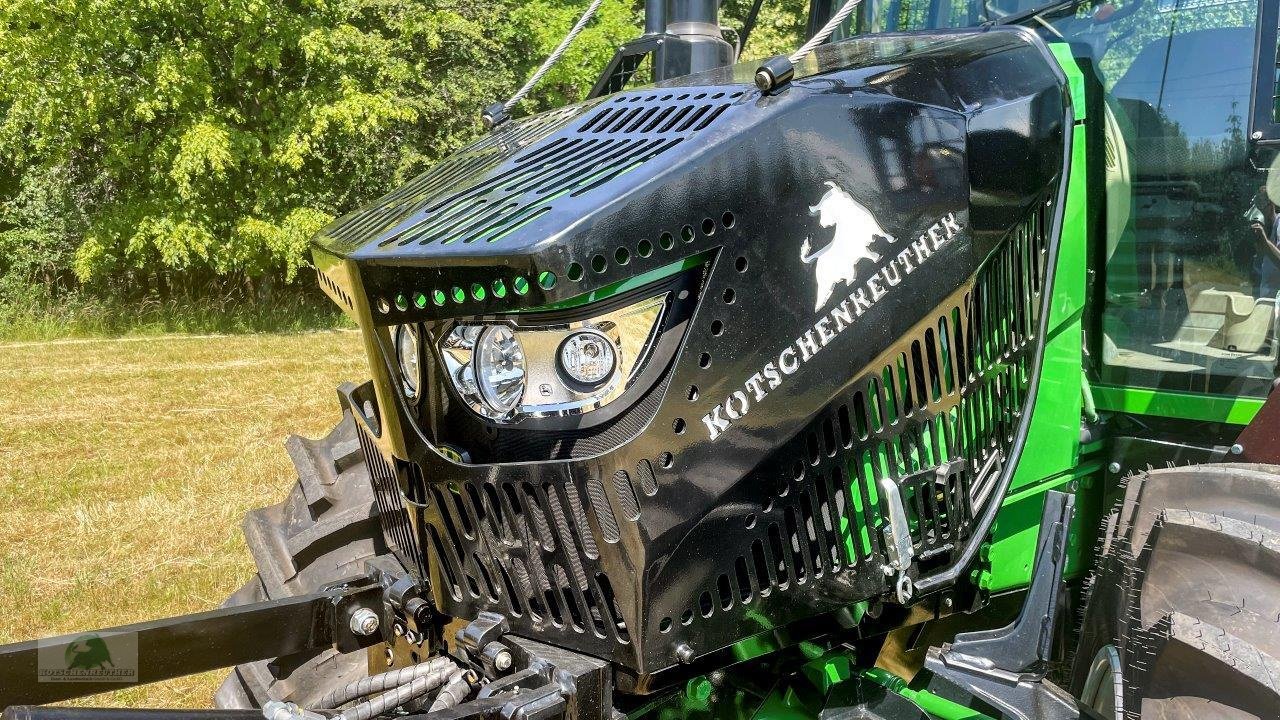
<point x="775" y="506"/>
<point x="913" y="377"/>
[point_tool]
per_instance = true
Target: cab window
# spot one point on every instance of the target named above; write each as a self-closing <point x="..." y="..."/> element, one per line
<point x="1190" y="263"/>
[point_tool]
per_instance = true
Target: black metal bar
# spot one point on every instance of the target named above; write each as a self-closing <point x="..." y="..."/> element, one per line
<point x="49" y="670"/>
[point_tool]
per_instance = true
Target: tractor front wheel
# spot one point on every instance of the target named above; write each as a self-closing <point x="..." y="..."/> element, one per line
<point x="323" y="532"/>
<point x="1183" y="614"/>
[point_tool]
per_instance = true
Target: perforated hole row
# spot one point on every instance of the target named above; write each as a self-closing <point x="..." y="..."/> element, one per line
<point x="458" y="295"/>
<point x="337" y="292"/>
<point x="644" y="249"/>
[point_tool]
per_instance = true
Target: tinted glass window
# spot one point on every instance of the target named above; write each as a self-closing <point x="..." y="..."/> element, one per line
<point x="1191" y="272"/>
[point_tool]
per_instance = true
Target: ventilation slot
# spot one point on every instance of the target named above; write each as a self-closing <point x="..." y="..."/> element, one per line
<point x="648" y="482"/>
<point x="394" y="518"/>
<point x="627" y="502"/>
<point x="604" y="513"/>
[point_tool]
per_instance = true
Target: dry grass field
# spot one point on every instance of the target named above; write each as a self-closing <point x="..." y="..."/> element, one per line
<point x="127" y="464"/>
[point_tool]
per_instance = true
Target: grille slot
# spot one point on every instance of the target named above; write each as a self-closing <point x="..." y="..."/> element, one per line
<point x="945" y="398"/>
<point x="493" y="188"/>
<point x="524" y="549"/>
<point x="456" y="173"/>
<point x="392" y="515"/>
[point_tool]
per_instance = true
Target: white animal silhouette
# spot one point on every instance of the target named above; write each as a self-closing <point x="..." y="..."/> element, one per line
<point x="855" y="229"/>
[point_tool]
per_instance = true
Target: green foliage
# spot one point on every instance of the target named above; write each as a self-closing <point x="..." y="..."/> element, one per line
<point x="166" y="148"/>
<point x="197" y="140"/>
<point x="779" y="28"/>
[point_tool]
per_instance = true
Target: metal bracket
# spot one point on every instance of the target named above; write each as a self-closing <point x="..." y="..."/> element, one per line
<point x="900" y="546"/>
<point x="1005" y="667"/>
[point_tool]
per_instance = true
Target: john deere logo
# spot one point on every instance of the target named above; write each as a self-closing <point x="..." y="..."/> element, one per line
<point x="91" y="657"/>
<point x="88" y="652"/>
<point x="834" y="265"/>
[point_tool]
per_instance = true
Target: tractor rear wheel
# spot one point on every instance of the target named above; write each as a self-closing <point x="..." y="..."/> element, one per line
<point x="323" y="532"/>
<point x="1183" y="614"/>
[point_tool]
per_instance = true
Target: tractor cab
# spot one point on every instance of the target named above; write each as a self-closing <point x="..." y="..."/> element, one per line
<point x="1187" y="270"/>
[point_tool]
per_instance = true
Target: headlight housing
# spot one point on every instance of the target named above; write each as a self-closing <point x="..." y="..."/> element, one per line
<point x="508" y="371"/>
<point x="409" y="360"/>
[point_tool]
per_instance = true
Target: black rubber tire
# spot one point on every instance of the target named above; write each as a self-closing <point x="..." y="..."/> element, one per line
<point x="1187" y="593"/>
<point x="323" y="532"/>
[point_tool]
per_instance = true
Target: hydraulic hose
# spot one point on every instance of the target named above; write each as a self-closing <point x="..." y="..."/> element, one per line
<point x="391" y="699"/>
<point x="439" y="668"/>
<point x="454" y="692"/>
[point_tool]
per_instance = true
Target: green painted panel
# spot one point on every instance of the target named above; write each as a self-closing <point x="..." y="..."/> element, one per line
<point x="1171" y="404"/>
<point x="1052" y="450"/>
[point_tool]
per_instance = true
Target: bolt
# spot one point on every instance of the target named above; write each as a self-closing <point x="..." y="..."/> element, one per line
<point x="364" y="622"/>
<point x="947" y="603"/>
<point x="399" y="628"/>
<point x="411" y="637"/>
<point x="684" y="653"/>
<point x="1257" y="135"/>
<point x="502" y="661"/>
<point x="888" y="570"/>
<point x="391" y="657"/>
<point x="1113" y="468"/>
<point x="420" y="611"/>
<point x="716" y="678"/>
<point x="1237" y="449"/>
<point x="764" y="80"/>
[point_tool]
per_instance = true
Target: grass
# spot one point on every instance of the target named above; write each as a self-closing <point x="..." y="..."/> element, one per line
<point x="40" y="317"/>
<point x="127" y="464"/>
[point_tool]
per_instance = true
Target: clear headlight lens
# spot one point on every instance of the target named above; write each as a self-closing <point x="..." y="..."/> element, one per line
<point x="588" y="357"/>
<point x="500" y="369"/>
<point x="409" y="359"/>
<point x="506" y="372"/>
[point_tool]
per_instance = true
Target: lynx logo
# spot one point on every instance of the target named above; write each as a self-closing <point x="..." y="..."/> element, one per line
<point x="855" y="229"/>
<point x="833" y="265"/>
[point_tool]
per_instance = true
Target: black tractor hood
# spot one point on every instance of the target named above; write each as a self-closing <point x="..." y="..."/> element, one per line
<point x="874" y="246"/>
<point x="545" y="208"/>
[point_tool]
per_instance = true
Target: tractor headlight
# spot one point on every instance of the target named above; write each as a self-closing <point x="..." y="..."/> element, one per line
<point x="500" y="369"/>
<point x="408" y="356"/>
<point x="588" y="358"/>
<point x="509" y="371"/>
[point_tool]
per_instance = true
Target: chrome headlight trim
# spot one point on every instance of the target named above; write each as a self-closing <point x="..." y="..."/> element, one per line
<point x="631" y="331"/>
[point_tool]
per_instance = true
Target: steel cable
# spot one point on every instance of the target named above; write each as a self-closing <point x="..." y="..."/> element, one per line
<point x="822" y="35"/>
<point x="554" y="57"/>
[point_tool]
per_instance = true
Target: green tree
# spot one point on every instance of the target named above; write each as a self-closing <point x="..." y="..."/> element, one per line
<point x="210" y="139"/>
<point x="154" y="146"/>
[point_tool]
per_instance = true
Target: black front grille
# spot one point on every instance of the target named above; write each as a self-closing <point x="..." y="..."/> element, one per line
<point x="528" y="551"/>
<point x="947" y="398"/>
<point x="396" y="528"/>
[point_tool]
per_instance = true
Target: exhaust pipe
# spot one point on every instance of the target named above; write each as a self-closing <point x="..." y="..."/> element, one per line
<point x="691" y="39"/>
